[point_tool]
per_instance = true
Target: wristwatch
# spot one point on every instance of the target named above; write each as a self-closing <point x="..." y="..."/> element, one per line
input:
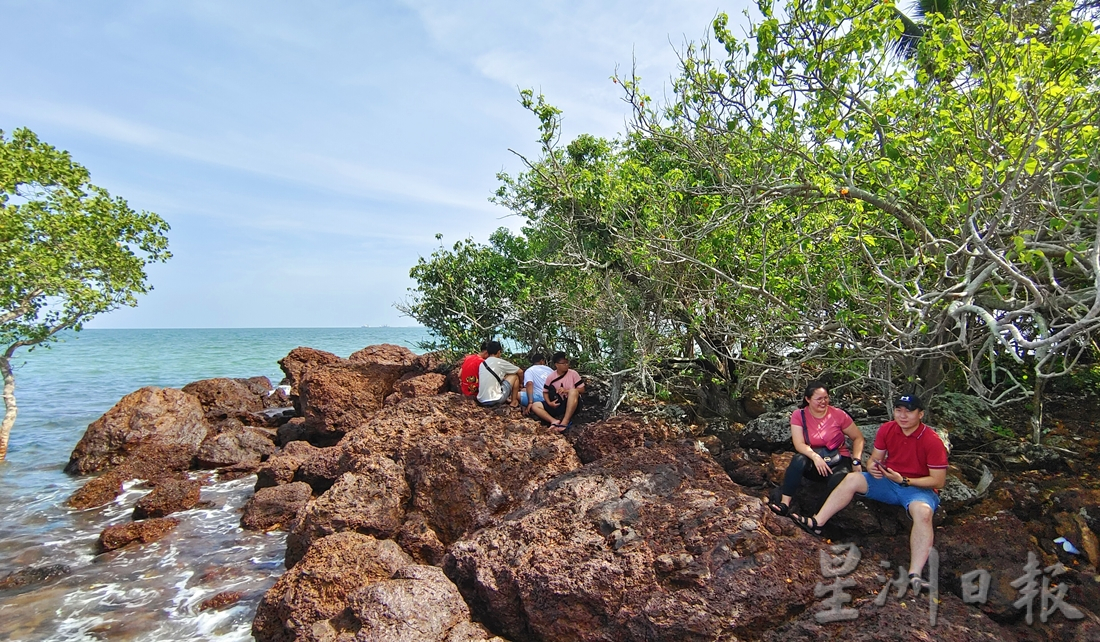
<point x="904" y="481"/>
<point x="856" y="462"/>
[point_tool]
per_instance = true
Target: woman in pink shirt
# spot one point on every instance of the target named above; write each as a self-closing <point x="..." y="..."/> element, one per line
<point x="817" y="425"/>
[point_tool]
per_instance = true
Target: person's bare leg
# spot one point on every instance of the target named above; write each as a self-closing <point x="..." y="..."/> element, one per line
<point x="571" y="402"/>
<point x="514" y="401"/>
<point x="538" y="409"/>
<point x="920" y="538"/>
<point x="853" y="483"/>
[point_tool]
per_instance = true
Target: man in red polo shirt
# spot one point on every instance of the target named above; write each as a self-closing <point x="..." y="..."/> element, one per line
<point x="907" y="468"/>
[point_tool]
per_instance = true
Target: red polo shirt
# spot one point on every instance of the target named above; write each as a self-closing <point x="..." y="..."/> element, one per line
<point x="912" y="455"/>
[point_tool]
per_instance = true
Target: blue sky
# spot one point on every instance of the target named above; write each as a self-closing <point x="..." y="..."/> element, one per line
<point x="306" y="153"/>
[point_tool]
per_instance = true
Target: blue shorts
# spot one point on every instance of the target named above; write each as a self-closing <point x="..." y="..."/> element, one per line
<point x="888" y="492"/>
<point x="523" y="397"/>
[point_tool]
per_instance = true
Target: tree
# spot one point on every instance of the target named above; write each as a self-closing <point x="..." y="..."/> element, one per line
<point x="68" y="251"/>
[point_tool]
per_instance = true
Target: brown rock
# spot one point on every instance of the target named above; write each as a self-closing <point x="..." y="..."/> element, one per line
<point x="169" y="496"/>
<point x="424" y="385"/>
<point x="420" y="541"/>
<point x="222" y="398"/>
<point x="145" y="532"/>
<point x="150" y="416"/>
<point x="99" y="490"/>
<point x="324" y="467"/>
<point x="310" y="601"/>
<point x="998" y="543"/>
<point x="336" y="399"/>
<point x="280" y="468"/>
<point x="647" y="544"/>
<point x="236" y="445"/>
<point x="370" y="501"/>
<point x="419" y="603"/>
<point x="620" y="433"/>
<point x="221" y="600"/>
<point x="300" y="360"/>
<point x="34" y="575"/>
<point x="471" y="632"/>
<point x="275" y="507"/>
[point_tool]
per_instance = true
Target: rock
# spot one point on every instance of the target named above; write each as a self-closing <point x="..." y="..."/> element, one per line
<point x="424" y="385"/>
<point x="281" y="467"/>
<point x="336" y="399"/>
<point x="619" y="433"/>
<point x="957" y="494"/>
<point x="311" y="600"/>
<point x="1018" y="456"/>
<point x="769" y="432"/>
<point x="221" y="600"/>
<point x="145" y="532"/>
<point x="749" y="468"/>
<point x="966" y="418"/>
<point x="419" y="540"/>
<point x="436" y="362"/>
<point x="1073" y="527"/>
<point x="150" y="416"/>
<point x="647" y="544"/>
<point x="471" y="632"/>
<point x="324" y="467"/>
<point x="370" y="501"/>
<point x="275" y="506"/>
<point x="34" y="575"/>
<point x="419" y="603"/>
<point x="295" y="429"/>
<point x="236" y="445"/>
<point x="223" y="398"/>
<point x="169" y="496"/>
<point x="99" y="490"/>
<point x="395" y="360"/>
<point x="300" y="360"/>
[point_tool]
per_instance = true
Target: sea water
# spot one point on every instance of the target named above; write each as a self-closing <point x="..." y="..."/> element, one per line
<point x="150" y="592"/>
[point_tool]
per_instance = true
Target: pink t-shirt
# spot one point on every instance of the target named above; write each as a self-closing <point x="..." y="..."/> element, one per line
<point x="568" y="382"/>
<point x="827" y="431"/>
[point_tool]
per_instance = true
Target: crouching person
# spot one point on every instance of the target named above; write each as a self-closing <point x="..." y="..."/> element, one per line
<point x="498" y="380"/>
<point x="907" y="468"/>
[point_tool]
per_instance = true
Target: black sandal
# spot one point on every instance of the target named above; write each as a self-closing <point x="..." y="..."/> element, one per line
<point x="807" y="523"/>
<point x="779" y="508"/>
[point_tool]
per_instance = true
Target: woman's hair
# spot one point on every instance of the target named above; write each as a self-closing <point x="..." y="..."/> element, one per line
<point x="558" y="356"/>
<point x="809" y="392"/>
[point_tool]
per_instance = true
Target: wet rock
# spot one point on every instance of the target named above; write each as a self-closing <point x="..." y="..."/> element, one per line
<point x="370" y="501"/>
<point x="145" y="532"/>
<point x="300" y="360"/>
<point x="622" y="432"/>
<point x="236" y="445"/>
<point x="221" y="600"/>
<point x="99" y="491"/>
<point x="769" y="432"/>
<point x="150" y="416"/>
<point x="280" y="468"/>
<point x="275" y="506"/>
<point x="34" y="575"/>
<point x="648" y="544"/>
<point x="311" y="600"/>
<point x="419" y="603"/>
<point x="169" y="496"/>
<point x="222" y="398"/>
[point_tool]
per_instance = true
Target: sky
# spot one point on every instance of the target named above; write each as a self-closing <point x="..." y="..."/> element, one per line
<point x="307" y="153"/>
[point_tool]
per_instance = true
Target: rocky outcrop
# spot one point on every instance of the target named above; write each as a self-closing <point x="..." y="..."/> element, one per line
<point x="418" y="603"/>
<point x="224" y="398"/>
<point x="370" y="501"/>
<point x="769" y="432"/>
<point x="423" y="385"/>
<point x="99" y="491"/>
<point x="169" y="496"/>
<point x="623" y="432"/>
<point x="159" y="417"/>
<point x="34" y="575"/>
<point x="221" y="601"/>
<point x="275" y="507"/>
<point x="310" y="601"/>
<point x="145" y="532"/>
<point x="642" y="545"/>
<point x="232" y="444"/>
<point x="300" y="360"/>
<point x="281" y="467"/>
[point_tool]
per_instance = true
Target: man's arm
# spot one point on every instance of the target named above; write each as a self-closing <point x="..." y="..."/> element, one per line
<point x="937" y="478"/>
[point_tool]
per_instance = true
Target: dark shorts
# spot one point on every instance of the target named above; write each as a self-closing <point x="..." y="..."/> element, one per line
<point x="888" y="492"/>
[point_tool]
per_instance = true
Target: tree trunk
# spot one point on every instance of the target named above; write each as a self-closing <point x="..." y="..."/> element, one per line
<point x="9" y="405"/>
<point x="618" y="358"/>
<point x="1037" y="411"/>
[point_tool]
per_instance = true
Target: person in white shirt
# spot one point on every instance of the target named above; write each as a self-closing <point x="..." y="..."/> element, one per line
<point x="498" y="380"/>
<point x="534" y="378"/>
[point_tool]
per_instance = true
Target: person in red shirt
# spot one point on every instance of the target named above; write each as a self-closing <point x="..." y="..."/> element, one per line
<point x="907" y="468"/>
<point x="467" y="376"/>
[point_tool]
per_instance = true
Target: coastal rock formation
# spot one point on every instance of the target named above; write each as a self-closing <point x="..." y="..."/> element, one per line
<point x="34" y="575"/>
<point x="275" y="506"/>
<point x="168" y="496"/>
<point x="232" y="444"/>
<point x="281" y="467"/>
<point x="419" y="385"/>
<point x="622" y="432"/>
<point x="301" y="359"/>
<point x="769" y="432"/>
<point x="418" y="603"/>
<point x="370" y="502"/>
<point x="221" y="600"/>
<point x="652" y="543"/>
<point x="145" y="532"/>
<point x="222" y="398"/>
<point x="163" y="417"/>
<point x="99" y="490"/>
<point x="310" y="601"/>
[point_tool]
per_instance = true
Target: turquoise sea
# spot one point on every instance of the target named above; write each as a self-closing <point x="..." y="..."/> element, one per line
<point x="153" y="592"/>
